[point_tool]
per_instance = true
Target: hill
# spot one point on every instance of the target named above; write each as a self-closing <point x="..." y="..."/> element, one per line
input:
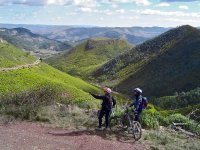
<point x="134" y="35"/>
<point x="161" y="66"/>
<point x="24" y="91"/>
<point x="74" y="34"/>
<point x="10" y="56"/>
<point x="25" y="39"/>
<point x="89" y="55"/>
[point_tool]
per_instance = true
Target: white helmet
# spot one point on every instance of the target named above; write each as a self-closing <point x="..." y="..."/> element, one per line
<point x="138" y="90"/>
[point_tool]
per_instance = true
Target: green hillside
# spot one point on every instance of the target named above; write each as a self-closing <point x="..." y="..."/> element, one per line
<point x="88" y="56"/>
<point x="160" y="66"/>
<point x="11" y="56"/>
<point x="26" y="92"/>
<point x="67" y="88"/>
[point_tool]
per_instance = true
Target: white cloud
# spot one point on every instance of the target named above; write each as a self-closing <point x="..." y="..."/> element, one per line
<point x="138" y="2"/>
<point x="182" y="20"/>
<point x="81" y="3"/>
<point x="168" y="13"/>
<point x="142" y="2"/>
<point x="164" y="4"/>
<point x="85" y="3"/>
<point x="101" y="19"/>
<point x="121" y="11"/>
<point x="184" y="7"/>
<point x="57" y="2"/>
<point x="84" y="9"/>
<point x="114" y="5"/>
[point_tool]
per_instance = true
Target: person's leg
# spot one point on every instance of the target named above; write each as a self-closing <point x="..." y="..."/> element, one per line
<point x="137" y="117"/>
<point x="107" y="116"/>
<point x="100" y="118"/>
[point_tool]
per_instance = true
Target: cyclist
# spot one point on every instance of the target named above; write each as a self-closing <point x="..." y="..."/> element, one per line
<point x="108" y="103"/>
<point x="137" y="103"/>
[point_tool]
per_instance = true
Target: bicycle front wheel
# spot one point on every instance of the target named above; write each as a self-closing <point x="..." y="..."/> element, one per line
<point x="136" y="130"/>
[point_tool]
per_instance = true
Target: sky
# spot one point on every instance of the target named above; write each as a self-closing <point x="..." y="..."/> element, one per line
<point x="106" y="13"/>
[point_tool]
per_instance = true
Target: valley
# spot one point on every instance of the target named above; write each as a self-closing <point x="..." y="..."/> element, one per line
<point x="53" y="92"/>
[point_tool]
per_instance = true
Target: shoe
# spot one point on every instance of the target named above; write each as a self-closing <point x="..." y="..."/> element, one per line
<point x="99" y="129"/>
<point x="107" y="129"/>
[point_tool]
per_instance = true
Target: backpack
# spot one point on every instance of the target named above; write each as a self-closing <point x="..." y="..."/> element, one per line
<point x="144" y="102"/>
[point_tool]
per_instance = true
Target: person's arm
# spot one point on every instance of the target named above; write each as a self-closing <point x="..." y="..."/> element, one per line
<point x="97" y="96"/>
<point x="114" y="101"/>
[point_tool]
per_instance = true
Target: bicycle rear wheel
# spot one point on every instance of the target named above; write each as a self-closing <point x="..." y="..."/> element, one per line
<point x="137" y="130"/>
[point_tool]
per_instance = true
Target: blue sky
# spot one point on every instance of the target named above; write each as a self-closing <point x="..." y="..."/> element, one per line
<point x="120" y="13"/>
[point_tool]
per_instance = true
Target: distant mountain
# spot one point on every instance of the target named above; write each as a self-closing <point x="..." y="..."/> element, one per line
<point x="161" y="66"/>
<point x="25" y="39"/>
<point x="134" y="35"/>
<point x="87" y="56"/>
<point x="74" y="34"/>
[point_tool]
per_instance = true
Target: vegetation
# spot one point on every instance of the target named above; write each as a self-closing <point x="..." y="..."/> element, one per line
<point x="11" y="56"/>
<point x="179" y="100"/>
<point x="167" y="139"/>
<point x="169" y="59"/>
<point x="88" y="56"/>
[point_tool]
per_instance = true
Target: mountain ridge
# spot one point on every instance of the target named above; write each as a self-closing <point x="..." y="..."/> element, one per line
<point x="127" y="66"/>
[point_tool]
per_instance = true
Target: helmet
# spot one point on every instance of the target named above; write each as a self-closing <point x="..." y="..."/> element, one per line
<point x="138" y="90"/>
<point x="107" y="90"/>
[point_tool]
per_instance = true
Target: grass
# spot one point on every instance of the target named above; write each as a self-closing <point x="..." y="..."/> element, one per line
<point x="167" y="139"/>
<point x="70" y="88"/>
<point x="11" y="56"/>
<point x="88" y="56"/>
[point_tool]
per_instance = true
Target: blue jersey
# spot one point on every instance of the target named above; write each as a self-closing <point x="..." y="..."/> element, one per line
<point x="138" y="104"/>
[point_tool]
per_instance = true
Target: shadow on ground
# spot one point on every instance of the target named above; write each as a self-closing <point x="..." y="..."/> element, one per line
<point x="118" y="135"/>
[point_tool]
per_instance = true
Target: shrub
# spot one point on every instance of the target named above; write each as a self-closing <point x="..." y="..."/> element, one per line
<point x="149" y="120"/>
<point x="178" y="118"/>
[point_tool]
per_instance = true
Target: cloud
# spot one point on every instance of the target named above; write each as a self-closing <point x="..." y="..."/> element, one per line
<point x="184" y="7"/>
<point x="137" y="2"/>
<point x="142" y="2"/>
<point x="121" y="11"/>
<point x="80" y="3"/>
<point x="182" y="20"/>
<point x="84" y="9"/>
<point x="164" y="4"/>
<point x="179" y="0"/>
<point x="168" y="13"/>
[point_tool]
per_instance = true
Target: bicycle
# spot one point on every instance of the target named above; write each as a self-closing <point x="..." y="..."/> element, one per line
<point x="126" y="121"/>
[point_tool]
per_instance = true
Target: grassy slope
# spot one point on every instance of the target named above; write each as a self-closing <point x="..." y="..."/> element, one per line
<point x="89" y="55"/>
<point x="176" y="69"/>
<point x="68" y="89"/>
<point x="157" y="64"/>
<point x="11" y="56"/>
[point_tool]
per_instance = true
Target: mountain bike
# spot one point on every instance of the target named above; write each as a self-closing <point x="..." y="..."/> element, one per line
<point x="126" y="122"/>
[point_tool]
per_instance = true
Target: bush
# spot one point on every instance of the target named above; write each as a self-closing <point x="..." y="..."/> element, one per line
<point x="178" y="118"/>
<point x="149" y="120"/>
<point x="26" y="104"/>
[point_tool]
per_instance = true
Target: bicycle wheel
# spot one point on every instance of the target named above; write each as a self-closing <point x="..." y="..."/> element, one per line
<point x="124" y="122"/>
<point x="137" y="130"/>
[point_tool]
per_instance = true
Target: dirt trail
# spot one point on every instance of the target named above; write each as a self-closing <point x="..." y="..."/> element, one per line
<point x="21" y="66"/>
<point x="32" y="136"/>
